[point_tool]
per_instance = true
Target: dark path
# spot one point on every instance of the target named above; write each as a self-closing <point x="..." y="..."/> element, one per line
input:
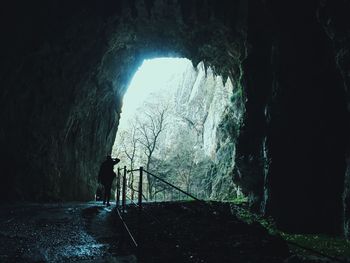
<point x="57" y="233"/>
<point x="166" y="232"/>
<point x="193" y="233"/>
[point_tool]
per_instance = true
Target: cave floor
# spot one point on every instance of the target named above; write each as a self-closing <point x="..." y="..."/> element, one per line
<point x="58" y="233"/>
<point x="165" y="232"/>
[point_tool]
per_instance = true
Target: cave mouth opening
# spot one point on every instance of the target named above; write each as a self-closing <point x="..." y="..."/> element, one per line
<point x="171" y="123"/>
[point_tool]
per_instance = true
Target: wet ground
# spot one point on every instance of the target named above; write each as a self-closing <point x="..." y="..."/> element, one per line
<point x="58" y="233"/>
<point x="163" y="232"/>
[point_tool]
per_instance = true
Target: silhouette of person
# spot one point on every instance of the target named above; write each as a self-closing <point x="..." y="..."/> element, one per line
<point x="106" y="176"/>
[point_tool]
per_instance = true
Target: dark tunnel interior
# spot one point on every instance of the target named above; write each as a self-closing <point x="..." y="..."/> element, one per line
<point x="66" y="65"/>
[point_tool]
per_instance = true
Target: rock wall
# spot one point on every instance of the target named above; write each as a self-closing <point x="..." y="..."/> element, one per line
<point x="201" y="107"/>
<point x="65" y="67"/>
<point x="333" y="16"/>
<point x="293" y="137"/>
<point x="56" y="113"/>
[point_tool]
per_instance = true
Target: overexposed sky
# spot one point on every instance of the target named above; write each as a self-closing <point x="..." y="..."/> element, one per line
<point x="154" y="75"/>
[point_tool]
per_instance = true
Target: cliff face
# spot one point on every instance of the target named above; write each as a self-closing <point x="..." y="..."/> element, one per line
<point x="193" y="142"/>
<point x="283" y="139"/>
<point x="201" y="106"/>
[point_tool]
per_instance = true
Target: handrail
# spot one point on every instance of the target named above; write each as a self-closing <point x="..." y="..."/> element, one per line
<point x="141" y="208"/>
<point x="127" y="228"/>
<point x="173" y="186"/>
<point x="141" y="196"/>
<point x="141" y="170"/>
<point x="145" y="211"/>
<point x="135" y="170"/>
<point x="137" y="191"/>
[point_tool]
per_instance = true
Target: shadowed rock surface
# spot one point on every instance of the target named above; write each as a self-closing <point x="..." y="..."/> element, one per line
<point x="66" y="65"/>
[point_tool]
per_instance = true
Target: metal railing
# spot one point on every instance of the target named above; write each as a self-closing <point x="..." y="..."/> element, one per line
<point x="123" y="188"/>
<point x="121" y="202"/>
<point x="122" y="194"/>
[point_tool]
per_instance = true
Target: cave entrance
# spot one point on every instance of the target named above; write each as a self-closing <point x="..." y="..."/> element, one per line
<point x="171" y="124"/>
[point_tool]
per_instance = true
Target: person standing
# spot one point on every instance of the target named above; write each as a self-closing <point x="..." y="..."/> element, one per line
<point x="106" y="176"/>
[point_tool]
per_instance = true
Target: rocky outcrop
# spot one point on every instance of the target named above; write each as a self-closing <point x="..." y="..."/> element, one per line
<point x="200" y="111"/>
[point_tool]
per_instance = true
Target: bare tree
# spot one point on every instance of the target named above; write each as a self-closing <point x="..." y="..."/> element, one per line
<point x="184" y="162"/>
<point x="150" y="127"/>
<point x="129" y="142"/>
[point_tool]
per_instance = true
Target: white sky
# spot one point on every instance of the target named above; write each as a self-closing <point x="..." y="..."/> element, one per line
<point x="152" y="76"/>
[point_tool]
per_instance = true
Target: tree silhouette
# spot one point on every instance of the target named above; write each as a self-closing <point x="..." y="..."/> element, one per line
<point x="149" y="127"/>
<point x="128" y="144"/>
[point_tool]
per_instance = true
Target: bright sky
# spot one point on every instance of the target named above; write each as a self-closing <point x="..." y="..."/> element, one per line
<point x="153" y="76"/>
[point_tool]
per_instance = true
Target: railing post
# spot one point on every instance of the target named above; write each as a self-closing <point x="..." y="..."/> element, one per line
<point x="140" y="188"/>
<point x="124" y="190"/>
<point x="118" y="188"/>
